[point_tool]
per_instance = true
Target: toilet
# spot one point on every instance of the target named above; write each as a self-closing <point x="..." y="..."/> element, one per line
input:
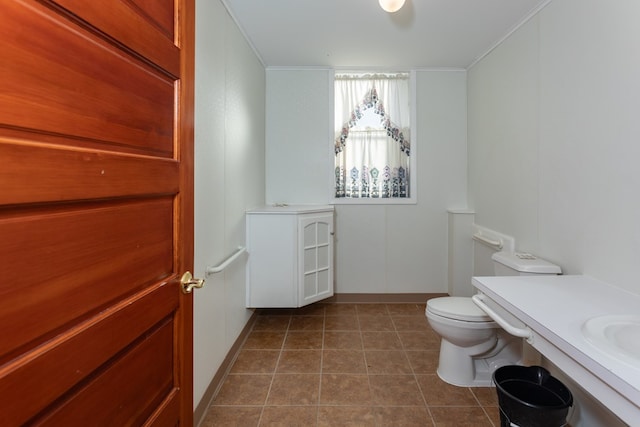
<point x="472" y="344"/>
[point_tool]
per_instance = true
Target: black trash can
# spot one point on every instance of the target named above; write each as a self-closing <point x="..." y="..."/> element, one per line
<point x="530" y="397"/>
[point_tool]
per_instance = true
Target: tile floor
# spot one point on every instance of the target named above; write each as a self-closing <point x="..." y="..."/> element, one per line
<point x="338" y="364"/>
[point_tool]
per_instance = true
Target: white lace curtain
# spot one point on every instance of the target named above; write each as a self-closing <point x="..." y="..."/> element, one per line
<point x="372" y="145"/>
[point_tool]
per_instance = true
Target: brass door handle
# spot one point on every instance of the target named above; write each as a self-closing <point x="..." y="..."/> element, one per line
<point x="189" y="283"/>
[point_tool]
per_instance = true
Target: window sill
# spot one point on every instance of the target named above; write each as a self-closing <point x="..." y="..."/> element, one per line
<point x="367" y="201"/>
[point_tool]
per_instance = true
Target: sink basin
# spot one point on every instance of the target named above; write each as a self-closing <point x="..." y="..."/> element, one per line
<point x="616" y="335"/>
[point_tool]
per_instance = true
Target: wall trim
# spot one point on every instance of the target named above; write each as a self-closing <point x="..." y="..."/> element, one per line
<point x="383" y="298"/>
<point x="533" y="12"/>
<point x="248" y="40"/>
<point x="214" y="387"/>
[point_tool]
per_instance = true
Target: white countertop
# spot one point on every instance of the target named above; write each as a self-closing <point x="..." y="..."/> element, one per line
<point x="556" y="307"/>
<point x="290" y="209"/>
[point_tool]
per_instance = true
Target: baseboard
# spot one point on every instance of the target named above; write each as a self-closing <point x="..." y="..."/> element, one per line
<point x="418" y="298"/>
<point x="201" y="410"/>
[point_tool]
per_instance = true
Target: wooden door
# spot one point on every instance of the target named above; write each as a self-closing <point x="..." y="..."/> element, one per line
<point x="96" y="212"/>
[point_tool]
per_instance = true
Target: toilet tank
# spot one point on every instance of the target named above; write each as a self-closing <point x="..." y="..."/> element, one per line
<point x="522" y="264"/>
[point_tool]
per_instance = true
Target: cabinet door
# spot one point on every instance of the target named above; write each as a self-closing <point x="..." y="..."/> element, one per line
<point x="315" y="234"/>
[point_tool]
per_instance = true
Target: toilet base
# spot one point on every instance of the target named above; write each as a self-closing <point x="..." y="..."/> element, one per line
<point x="482" y="376"/>
<point x="457" y="367"/>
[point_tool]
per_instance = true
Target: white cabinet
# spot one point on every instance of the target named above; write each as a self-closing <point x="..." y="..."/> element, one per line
<point x="290" y="260"/>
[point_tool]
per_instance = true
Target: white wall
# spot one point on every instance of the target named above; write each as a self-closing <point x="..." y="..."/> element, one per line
<point x="503" y="135"/>
<point x="379" y="248"/>
<point x="554" y="144"/>
<point x="554" y="138"/>
<point x="229" y="178"/>
<point x="299" y="127"/>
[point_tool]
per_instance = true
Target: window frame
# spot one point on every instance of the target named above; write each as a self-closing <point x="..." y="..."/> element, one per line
<point x="413" y="158"/>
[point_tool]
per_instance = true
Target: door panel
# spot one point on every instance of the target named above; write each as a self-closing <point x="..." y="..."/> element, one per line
<point x="55" y="174"/>
<point x="109" y="251"/>
<point x="84" y="350"/>
<point x="83" y="87"/>
<point x="96" y="212"/>
<point x="145" y="26"/>
<point x="103" y="401"/>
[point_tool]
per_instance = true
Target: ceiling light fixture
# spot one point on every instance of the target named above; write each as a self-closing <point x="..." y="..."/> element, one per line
<point x="391" y="5"/>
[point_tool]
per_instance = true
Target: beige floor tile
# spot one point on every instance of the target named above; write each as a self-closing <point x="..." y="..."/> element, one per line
<point x="438" y="393"/>
<point x="494" y="414"/>
<point x="316" y="309"/>
<point x="423" y="361"/>
<point x="387" y="362"/>
<point x="334" y="364"/>
<point x="306" y="323"/>
<point x="294" y="389"/>
<point x="402" y="416"/>
<point x="343" y="362"/>
<point x="419" y="340"/>
<point x="299" y="362"/>
<point x="373" y="340"/>
<point x="303" y="340"/>
<point x="271" y="323"/>
<point x="237" y="416"/>
<point x="459" y="416"/>
<point x="345" y="416"/>
<point x="265" y="340"/>
<point x="487" y="396"/>
<point x="340" y="310"/>
<point x="406" y="309"/>
<point x="395" y="390"/>
<point x="372" y="309"/>
<point x="341" y="323"/>
<point x="375" y="323"/>
<point x="255" y="362"/>
<point x="410" y="323"/>
<point x="289" y="416"/>
<point x="345" y="389"/>
<point x="343" y="340"/>
<point x="244" y="390"/>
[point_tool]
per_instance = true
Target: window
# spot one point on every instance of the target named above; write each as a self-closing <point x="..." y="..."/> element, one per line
<point x="372" y="136"/>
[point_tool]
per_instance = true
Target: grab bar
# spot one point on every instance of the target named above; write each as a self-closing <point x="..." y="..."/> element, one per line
<point x="513" y="330"/>
<point x="229" y="260"/>
<point x="489" y="242"/>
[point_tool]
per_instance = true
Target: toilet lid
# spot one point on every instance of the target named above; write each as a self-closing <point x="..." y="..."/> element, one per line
<point x="458" y="308"/>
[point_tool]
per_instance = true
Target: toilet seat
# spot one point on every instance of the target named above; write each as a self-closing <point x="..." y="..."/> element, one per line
<point x="457" y="308"/>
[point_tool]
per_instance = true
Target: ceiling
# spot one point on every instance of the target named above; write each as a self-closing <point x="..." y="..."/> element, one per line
<point x="358" y="34"/>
